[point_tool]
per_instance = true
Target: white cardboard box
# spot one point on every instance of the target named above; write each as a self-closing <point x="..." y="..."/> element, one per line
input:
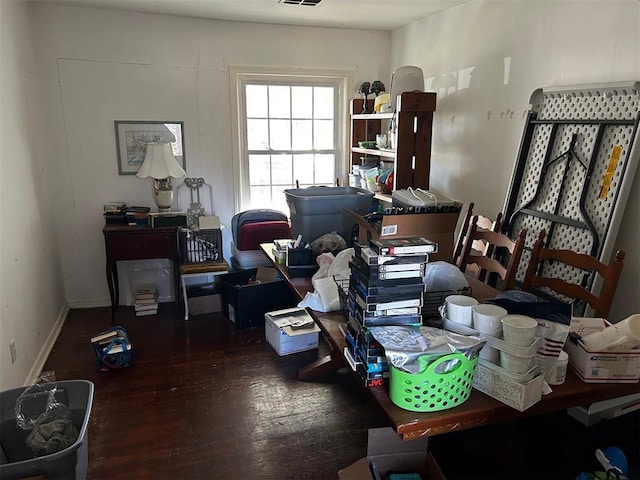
<point x="283" y="338"/>
<point x="506" y="389"/>
<point x="600" y="367"/>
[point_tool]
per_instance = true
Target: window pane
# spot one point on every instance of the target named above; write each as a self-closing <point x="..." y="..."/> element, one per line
<point x="303" y="169"/>
<point x="325" y="169"/>
<point x="323" y="134"/>
<point x="279" y="199"/>
<point x="259" y="171"/>
<point x="280" y="134"/>
<point x="256" y="101"/>
<point x="279" y="101"/>
<point x="260" y="196"/>
<point x="281" y="170"/>
<point x="323" y="102"/>
<point x="257" y="134"/>
<point x="302" y="137"/>
<point x="301" y="98"/>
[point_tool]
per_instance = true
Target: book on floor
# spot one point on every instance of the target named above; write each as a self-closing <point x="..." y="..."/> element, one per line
<point x="143" y="307"/>
<point x="147" y="292"/>
<point x="104" y="336"/>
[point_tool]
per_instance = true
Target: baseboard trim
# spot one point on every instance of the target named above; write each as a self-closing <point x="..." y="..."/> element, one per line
<point x="47" y="347"/>
<point x="94" y="304"/>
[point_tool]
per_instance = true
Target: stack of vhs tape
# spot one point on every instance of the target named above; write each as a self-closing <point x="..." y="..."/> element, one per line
<point x="385" y="289"/>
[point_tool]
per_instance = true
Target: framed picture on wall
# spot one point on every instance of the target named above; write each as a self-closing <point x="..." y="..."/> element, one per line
<point x="132" y="137"/>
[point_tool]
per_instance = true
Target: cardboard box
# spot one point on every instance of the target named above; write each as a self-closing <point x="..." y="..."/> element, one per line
<point x="438" y="227"/>
<point x="506" y="389"/>
<point x="599" y="367"/>
<point x="286" y="340"/>
<point x="248" y="294"/>
<point x="388" y="453"/>
<point x="205" y="304"/>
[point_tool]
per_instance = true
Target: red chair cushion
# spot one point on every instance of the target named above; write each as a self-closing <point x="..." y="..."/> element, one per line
<point x="251" y="235"/>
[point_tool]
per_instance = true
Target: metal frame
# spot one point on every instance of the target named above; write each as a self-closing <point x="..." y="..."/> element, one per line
<point x="574" y="170"/>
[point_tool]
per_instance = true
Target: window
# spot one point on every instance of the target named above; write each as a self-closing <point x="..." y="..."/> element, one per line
<point x="290" y="132"/>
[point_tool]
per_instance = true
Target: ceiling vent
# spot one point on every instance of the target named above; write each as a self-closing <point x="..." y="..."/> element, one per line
<point x="308" y="3"/>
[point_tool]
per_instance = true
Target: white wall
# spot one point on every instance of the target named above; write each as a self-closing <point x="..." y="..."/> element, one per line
<point x="102" y="65"/>
<point x="483" y="98"/>
<point x="32" y="303"/>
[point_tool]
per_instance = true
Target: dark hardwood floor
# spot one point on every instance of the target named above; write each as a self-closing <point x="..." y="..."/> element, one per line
<point x="205" y="400"/>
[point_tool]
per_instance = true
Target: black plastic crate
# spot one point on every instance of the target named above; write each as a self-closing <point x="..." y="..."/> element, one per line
<point x="200" y="246"/>
<point x="246" y="302"/>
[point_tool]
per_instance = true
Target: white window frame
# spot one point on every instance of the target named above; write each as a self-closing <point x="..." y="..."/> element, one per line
<point x="239" y="76"/>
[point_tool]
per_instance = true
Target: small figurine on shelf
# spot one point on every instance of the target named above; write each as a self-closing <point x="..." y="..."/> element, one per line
<point x="365" y="90"/>
<point x="377" y="87"/>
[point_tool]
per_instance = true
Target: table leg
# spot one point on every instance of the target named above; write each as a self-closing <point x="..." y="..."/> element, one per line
<point x="327" y="364"/>
<point x="184" y="297"/>
<point x="112" y="295"/>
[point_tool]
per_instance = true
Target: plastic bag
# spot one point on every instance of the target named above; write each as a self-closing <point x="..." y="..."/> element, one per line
<point x="36" y="401"/>
<point x="443" y="276"/>
<point x="47" y="419"/>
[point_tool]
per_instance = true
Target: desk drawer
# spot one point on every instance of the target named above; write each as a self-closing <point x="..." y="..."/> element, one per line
<point x="139" y="246"/>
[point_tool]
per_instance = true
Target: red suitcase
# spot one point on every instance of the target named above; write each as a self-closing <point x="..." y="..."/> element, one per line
<point x="251" y="235"/>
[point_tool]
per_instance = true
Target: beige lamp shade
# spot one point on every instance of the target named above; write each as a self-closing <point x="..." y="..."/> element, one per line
<point x="160" y="163"/>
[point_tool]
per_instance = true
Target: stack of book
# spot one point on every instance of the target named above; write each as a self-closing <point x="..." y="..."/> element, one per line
<point x="104" y="340"/>
<point x="115" y="213"/>
<point x="385" y="289"/>
<point x="146" y="301"/>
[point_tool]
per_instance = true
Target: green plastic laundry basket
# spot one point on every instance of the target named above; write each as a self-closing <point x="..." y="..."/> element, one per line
<point x="431" y="391"/>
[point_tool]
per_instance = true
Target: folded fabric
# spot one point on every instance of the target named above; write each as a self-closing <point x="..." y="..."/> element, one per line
<point x="52" y="437"/>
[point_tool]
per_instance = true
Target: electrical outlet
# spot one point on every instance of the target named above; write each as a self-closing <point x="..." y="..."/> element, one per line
<point x="12" y="349"/>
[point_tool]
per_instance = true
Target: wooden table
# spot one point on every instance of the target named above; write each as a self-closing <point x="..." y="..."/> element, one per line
<point x="478" y="410"/>
<point x="123" y="242"/>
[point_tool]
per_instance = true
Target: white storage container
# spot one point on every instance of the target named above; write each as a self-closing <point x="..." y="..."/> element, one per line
<point x="284" y="338"/>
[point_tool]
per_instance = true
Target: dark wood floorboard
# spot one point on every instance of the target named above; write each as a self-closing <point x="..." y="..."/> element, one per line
<point x="205" y="400"/>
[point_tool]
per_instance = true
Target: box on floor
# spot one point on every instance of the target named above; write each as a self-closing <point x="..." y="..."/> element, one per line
<point x="388" y="453"/>
<point x="248" y="294"/>
<point x="286" y="340"/>
<point x="205" y="304"/>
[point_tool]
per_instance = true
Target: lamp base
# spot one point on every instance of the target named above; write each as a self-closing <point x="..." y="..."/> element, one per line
<point x="163" y="194"/>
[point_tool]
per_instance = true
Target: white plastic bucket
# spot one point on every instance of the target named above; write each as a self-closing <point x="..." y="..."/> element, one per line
<point x="519" y="330"/>
<point x="459" y="309"/>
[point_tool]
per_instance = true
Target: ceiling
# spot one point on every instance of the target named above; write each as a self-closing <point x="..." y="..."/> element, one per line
<point x="366" y="14"/>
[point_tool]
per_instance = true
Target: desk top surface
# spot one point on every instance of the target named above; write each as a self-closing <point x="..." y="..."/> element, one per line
<point x="134" y="228"/>
<point x="479" y="409"/>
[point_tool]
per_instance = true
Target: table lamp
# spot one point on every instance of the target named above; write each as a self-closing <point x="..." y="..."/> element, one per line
<point x="160" y="164"/>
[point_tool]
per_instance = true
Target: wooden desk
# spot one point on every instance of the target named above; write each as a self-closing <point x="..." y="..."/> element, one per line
<point x="123" y="242"/>
<point x="478" y="410"/>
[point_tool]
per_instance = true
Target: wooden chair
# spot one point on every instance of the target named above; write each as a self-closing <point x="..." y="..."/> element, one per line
<point x="484" y="223"/>
<point x="489" y="260"/>
<point x="582" y="263"/>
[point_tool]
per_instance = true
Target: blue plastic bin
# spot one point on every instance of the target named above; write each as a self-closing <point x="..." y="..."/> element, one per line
<point x="69" y="463"/>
